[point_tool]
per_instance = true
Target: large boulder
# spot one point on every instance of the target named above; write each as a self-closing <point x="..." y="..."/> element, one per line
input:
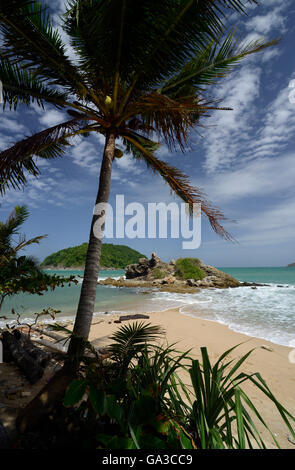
<point x="149" y="269"/>
<point x="138" y="270"/>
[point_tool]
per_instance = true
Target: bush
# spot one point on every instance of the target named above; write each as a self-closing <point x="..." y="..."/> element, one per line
<point x="158" y="273"/>
<point x="128" y="393"/>
<point x="134" y="397"/>
<point x="189" y="268"/>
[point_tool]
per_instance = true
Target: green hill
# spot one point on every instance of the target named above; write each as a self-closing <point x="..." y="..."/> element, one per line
<point x="115" y="256"/>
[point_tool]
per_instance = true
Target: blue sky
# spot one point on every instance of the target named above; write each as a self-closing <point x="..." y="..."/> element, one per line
<point x="243" y="159"/>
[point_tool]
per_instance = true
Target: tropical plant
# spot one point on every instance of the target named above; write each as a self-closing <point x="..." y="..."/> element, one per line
<point x="135" y="398"/>
<point x="22" y="273"/>
<point x="142" y="72"/>
<point x="221" y="414"/>
<point x="126" y="392"/>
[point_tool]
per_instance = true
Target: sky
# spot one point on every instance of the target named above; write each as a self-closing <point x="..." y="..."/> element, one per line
<point x="244" y="161"/>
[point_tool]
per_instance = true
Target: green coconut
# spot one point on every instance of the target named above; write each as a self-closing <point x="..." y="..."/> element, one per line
<point x="118" y="153"/>
<point x="108" y="101"/>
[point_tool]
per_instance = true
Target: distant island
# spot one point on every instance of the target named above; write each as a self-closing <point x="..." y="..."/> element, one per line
<point x="292" y="265"/>
<point x="112" y="256"/>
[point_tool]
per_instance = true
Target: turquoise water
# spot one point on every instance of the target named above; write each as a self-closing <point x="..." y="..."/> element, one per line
<point x="266" y="312"/>
<point x="263" y="275"/>
<point x="62" y="298"/>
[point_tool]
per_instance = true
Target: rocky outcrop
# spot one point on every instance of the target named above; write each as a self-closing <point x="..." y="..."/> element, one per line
<point x="156" y="273"/>
<point x="165" y="273"/>
<point x="215" y="278"/>
<point x="150" y="269"/>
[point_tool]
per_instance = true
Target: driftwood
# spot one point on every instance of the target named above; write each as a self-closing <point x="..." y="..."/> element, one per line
<point x="39" y="355"/>
<point x="19" y="348"/>
<point x="54" y="347"/>
<point x="27" y="364"/>
<point x="137" y="316"/>
<point x="60" y="344"/>
<point x="50" y="334"/>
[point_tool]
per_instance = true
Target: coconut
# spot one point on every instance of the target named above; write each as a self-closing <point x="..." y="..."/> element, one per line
<point x="108" y="101"/>
<point x="118" y="153"/>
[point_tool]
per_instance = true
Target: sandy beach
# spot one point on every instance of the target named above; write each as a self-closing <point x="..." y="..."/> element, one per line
<point x="191" y="333"/>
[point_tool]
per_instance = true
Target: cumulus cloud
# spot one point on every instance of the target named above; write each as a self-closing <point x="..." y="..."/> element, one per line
<point x="264" y="24"/>
<point x="52" y="117"/>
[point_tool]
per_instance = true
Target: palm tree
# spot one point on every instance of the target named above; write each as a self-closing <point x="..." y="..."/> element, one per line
<point x="141" y="75"/>
<point x="13" y="267"/>
<point x="21" y="273"/>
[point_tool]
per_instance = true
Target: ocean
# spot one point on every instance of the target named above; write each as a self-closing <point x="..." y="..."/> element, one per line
<point x="265" y="312"/>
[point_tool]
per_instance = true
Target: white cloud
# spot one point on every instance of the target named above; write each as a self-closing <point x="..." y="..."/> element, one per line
<point x="264" y="177"/>
<point x="250" y="131"/>
<point x="11" y="125"/>
<point x="232" y="128"/>
<point x="263" y="24"/>
<point x="85" y="154"/>
<point x="52" y="117"/>
<point x="128" y="164"/>
<point x="34" y="194"/>
<point x="277" y="127"/>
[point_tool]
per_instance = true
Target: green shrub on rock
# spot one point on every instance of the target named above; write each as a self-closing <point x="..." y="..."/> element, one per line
<point x="189" y="268"/>
<point x="158" y="273"/>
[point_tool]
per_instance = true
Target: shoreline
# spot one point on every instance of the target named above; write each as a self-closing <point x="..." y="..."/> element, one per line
<point x="69" y="318"/>
<point x="114" y="315"/>
<point x="191" y="333"/>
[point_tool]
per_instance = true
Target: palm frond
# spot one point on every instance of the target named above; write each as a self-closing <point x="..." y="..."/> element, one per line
<point x="135" y="45"/>
<point x="21" y="87"/>
<point x="175" y="30"/>
<point x="24" y="243"/>
<point x="170" y="119"/>
<point x="10" y="227"/>
<point x="180" y="185"/>
<point x="148" y="145"/>
<point x="49" y="143"/>
<point x="215" y="60"/>
<point x="131" y="339"/>
<point x="30" y="40"/>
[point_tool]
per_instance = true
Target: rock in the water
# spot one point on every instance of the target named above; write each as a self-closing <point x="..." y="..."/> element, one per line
<point x="161" y="273"/>
<point x="149" y="269"/>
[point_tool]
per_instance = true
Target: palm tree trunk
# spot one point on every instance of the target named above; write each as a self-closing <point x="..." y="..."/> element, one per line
<point x="54" y="391"/>
<point x="89" y="285"/>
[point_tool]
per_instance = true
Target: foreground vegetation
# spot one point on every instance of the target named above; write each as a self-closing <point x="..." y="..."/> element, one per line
<point x="112" y="256"/>
<point x="135" y="397"/>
